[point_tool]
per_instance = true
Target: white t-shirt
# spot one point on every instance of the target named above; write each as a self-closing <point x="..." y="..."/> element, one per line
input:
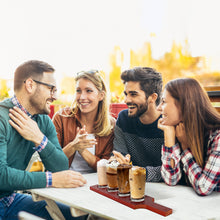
<point x="79" y="164"/>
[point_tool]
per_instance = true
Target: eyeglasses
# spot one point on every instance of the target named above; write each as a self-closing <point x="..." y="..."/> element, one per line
<point x="53" y="88"/>
<point x="89" y="72"/>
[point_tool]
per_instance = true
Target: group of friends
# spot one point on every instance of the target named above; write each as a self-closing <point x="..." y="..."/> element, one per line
<point x="174" y="132"/>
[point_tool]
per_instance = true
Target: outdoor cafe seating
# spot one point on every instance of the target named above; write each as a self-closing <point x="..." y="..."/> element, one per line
<point x="164" y="198"/>
<point x="115" y="108"/>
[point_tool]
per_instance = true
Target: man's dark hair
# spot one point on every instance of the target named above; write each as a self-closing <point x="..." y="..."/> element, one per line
<point x="150" y="80"/>
<point x="32" y="68"/>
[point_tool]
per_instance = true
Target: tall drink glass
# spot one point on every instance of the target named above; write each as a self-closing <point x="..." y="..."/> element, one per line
<point x="137" y="179"/>
<point x="101" y="172"/>
<point x="111" y="171"/>
<point x="123" y="179"/>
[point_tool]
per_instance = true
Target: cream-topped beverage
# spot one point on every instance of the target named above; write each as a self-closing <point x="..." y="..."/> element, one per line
<point x="111" y="171"/>
<point x="101" y="172"/>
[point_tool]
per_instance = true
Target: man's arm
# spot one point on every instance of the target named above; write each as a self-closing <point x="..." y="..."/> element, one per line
<point x="52" y="156"/>
<point x="12" y="177"/>
<point x="46" y="142"/>
<point x="119" y="143"/>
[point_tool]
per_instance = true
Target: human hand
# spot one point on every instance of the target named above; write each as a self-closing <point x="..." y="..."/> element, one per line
<point x="80" y="143"/>
<point x="120" y="158"/>
<point x="169" y="133"/>
<point x="181" y="135"/>
<point x="112" y="158"/>
<point x="25" y="126"/>
<point x="67" y="179"/>
<point x="167" y="128"/>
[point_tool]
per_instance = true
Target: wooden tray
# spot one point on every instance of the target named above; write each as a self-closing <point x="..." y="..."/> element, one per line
<point x="148" y="203"/>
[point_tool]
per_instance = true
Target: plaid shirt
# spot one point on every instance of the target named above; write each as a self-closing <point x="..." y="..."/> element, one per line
<point x="205" y="180"/>
<point x="16" y="103"/>
<point x="9" y="199"/>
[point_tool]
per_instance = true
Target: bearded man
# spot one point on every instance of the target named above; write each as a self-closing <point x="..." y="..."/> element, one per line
<point x="25" y="128"/>
<point x="137" y="137"/>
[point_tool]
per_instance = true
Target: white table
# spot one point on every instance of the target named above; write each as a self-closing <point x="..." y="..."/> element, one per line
<point x="186" y="204"/>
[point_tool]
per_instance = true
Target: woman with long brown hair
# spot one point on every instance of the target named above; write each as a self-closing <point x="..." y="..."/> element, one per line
<point x="191" y="125"/>
<point x="89" y="114"/>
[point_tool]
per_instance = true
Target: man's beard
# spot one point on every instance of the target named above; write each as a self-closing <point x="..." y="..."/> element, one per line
<point x="37" y="105"/>
<point x="39" y="108"/>
<point x="141" y="109"/>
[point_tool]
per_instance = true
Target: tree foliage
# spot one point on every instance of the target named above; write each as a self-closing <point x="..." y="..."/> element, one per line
<point x="178" y="62"/>
<point x="4" y="90"/>
<point x="115" y="85"/>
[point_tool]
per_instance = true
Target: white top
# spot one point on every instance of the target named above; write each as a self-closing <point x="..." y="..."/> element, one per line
<point x="79" y="164"/>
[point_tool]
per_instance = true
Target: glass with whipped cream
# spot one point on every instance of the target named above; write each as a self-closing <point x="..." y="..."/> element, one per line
<point x="101" y="172"/>
<point x="111" y="171"/>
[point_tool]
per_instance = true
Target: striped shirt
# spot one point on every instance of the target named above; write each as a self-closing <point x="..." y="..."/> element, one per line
<point x="203" y="180"/>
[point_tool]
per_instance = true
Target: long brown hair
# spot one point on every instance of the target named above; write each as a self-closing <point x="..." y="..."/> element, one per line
<point x="104" y="122"/>
<point x="198" y="114"/>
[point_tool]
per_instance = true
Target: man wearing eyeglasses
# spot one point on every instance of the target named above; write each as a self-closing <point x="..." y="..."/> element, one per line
<point x="25" y="128"/>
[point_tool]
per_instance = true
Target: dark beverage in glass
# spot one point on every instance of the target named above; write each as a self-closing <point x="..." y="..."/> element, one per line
<point x="123" y="179"/>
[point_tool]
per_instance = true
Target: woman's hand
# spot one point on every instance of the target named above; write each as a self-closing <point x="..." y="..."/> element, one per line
<point x="169" y="136"/>
<point x="181" y="135"/>
<point x="169" y="133"/>
<point x="80" y="143"/>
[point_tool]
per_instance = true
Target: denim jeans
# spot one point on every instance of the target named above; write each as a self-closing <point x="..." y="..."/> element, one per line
<point x="24" y="202"/>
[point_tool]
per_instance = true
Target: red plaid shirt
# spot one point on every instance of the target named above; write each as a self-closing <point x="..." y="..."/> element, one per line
<point x="205" y="180"/>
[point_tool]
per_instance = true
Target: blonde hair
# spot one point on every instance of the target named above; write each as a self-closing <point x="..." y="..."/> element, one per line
<point x="198" y="114"/>
<point x="103" y="122"/>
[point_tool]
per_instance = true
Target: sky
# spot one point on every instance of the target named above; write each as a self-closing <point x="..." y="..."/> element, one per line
<point x="76" y="35"/>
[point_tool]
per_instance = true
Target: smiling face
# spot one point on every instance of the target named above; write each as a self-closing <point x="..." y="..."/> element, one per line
<point x="169" y="110"/>
<point x="87" y="96"/>
<point x="135" y="99"/>
<point x="43" y="96"/>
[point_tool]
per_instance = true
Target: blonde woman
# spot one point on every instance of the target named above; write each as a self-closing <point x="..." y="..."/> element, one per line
<point x="88" y="116"/>
<point x="191" y="125"/>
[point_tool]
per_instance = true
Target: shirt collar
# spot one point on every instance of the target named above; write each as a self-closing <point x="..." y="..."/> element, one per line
<point x="17" y="103"/>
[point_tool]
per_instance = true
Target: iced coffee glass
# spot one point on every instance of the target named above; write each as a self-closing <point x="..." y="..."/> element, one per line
<point x="123" y="179"/>
<point x="101" y="172"/>
<point x="137" y="179"/>
<point x="111" y="171"/>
